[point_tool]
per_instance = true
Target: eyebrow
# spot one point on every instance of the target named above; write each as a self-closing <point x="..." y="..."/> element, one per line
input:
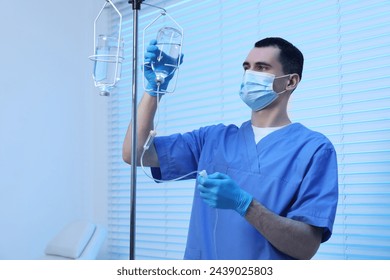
<point x="246" y="63"/>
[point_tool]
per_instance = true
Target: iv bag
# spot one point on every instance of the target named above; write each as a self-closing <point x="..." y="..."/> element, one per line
<point x="169" y="44"/>
<point x="108" y="48"/>
<point x="108" y="63"/>
<point x="169" y="36"/>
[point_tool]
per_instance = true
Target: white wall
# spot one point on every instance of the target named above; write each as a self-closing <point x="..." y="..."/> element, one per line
<point x="53" y="160"/>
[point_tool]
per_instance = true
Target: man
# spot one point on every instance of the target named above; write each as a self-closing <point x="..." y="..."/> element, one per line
<point x="271" y="190"/>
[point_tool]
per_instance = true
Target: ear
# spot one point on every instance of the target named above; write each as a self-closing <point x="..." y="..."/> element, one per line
<point x="293" y="82"/>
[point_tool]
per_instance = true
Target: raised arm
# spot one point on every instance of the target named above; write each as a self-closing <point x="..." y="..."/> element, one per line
<point x="145" y="115"/>
<point x="148" y="106"/>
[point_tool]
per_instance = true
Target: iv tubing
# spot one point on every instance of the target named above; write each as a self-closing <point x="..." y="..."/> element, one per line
<point x="165" y="181"/>
<point x="149" y="141"/>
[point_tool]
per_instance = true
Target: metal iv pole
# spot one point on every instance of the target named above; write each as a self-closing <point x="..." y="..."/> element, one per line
<point x="136" y="4"/>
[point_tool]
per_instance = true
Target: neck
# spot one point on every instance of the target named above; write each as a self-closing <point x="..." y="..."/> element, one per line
<point x="270" y="117"/>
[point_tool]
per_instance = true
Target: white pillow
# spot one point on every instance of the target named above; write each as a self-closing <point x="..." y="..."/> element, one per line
<point x="71" y="241"/>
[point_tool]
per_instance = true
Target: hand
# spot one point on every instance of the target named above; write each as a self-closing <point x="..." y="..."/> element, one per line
<point x="151" y="55"/>
<point x="218" y="190"/>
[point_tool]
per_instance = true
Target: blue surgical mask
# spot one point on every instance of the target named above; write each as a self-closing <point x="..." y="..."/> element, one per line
<point x="257" y="89"/>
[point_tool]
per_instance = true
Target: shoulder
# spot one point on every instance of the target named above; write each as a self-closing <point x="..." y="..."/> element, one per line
<point x="311" y="141"/>
<point x="200" y="134"/>
<point x="218" y="129"/>
<point x="304" y="132"/>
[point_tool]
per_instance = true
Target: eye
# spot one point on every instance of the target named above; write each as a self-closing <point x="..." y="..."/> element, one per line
<point x="261" y="68"/>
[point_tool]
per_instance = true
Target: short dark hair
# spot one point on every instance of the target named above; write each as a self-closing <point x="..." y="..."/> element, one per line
<point x="291" y="57"/>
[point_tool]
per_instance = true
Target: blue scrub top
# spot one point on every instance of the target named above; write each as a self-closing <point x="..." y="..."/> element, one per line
<point x="292" y="172"/>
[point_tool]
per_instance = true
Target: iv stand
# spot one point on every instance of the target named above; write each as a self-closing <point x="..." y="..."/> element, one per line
<point x="136" y="4"/>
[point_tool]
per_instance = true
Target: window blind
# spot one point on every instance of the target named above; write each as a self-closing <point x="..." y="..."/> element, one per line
<point x="344" y="94"/>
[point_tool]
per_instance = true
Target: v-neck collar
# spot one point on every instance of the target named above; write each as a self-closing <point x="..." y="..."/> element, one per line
<point x="254" y="149"/>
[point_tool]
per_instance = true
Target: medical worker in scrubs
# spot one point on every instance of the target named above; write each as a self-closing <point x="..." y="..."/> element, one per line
<point x="271" y="188"/>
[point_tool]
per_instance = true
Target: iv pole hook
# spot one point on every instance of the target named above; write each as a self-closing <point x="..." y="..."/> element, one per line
<point x="136" y="4"/>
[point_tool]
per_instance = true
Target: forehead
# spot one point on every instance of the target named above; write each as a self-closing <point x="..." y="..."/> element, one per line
<point x="269" y="55"/>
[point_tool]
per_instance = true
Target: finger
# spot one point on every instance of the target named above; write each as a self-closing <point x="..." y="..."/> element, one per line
<point x="218" y="175"/>
<point x="203" y="190"/>
<point x="204" y="195"/>
<point x="206" y="183"/>
<point x="153" y="42"/>
<point x="152" y="48"/>
<point x="150" y="56"/>
<point x="201" y="179"/>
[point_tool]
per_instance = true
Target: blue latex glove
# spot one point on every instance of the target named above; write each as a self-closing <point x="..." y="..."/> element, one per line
<point x="218" y="190"/>
<point x="152" y="52"/>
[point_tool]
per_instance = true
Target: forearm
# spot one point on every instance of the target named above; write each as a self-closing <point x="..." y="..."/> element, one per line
<point x="145" y="115"/>
<point x="294" y="238"/>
